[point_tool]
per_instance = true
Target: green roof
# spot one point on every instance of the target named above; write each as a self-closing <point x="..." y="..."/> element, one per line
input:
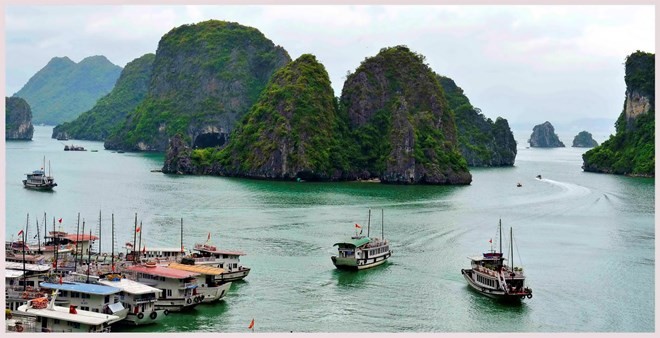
<point x="356" y="242"/>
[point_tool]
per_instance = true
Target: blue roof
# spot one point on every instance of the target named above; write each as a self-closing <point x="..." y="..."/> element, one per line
<point x="94" y="289"/>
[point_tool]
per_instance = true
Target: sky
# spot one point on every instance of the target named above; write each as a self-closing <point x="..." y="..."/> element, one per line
<point x="528" y="64"/>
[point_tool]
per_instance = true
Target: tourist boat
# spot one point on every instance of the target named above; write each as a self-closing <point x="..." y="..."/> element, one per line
<point x="228" y="260"/>
<point x="208" y="286"/>
<point x="38" y="179"/>
<point x="178" y="286"/>
<point x="362" y="252"/>
<point x="138" y="298"/>
<point x="22" y="282"/>
<point x="490" y="276"/>
<point x="73" y="148"/>
<point x="44" y="316"/>
<point x="89" y="296"/>
<point x="162" y="256"/>
<point x="519" y="185"/>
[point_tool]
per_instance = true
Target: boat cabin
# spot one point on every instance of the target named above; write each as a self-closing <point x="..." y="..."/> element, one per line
<point x="138" y="298"/>
<point x="178" y="286"/>
<point x="89" y="297"/>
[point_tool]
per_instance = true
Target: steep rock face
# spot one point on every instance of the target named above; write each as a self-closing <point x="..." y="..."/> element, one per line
<point x="403" y="128"/>
<point x="632" y="150"/>
<point x="584" y="139"/>
<point x="289" y="133"/>
<point x="177" y="157"/>
<point x="543" y="136"/>
<point x="483" y="143"/>
<point x="18" y="119"/>
<point x="205" y="76"/>
<point x="63" y="89"/>
<point x="97" y="123"/>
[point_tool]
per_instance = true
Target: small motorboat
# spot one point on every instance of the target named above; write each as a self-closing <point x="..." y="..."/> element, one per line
<point x="538" y="176"/>
<point x="519" y="185"/>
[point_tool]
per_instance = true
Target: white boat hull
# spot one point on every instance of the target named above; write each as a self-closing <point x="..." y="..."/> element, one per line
<point x="491" y="292"/>
<point x="232" y="276"/>
<point x="153" y="317"/>
<point x="215" y="293"/>
<point x="359" y="264"/>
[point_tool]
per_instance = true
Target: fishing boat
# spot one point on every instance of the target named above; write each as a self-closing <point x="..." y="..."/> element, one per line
<point x="228" y="260"/>
<point x="177" y="285"/>
<point x="208" y="286"/>
<point x="74" y="148"/>
<point x="44" y="316"/>
<point x="362" y="252"/>
<point x="490" y="276"/>
<point x="38" y="179"/>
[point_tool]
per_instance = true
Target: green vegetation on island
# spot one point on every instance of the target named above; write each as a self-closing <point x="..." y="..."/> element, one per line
<point x="631" y="151"/>
<point x="97" y="123"/>
<point x="18" y="119"/>
<point x="205" y="77"/>
<point x="63" y="89"/>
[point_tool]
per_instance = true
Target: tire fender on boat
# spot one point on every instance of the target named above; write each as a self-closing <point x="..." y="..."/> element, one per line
<point x="529" y="295"/>
<point x="188" y="301"/>
<point x="140" y="315"/>
<point x="166" y="312"/>
<point x="153" y="315"/>
<point x="19" y="328"/>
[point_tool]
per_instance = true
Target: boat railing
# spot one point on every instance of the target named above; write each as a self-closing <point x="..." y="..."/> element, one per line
<point x="204" y="259"/>
<point x="144" y="299"/>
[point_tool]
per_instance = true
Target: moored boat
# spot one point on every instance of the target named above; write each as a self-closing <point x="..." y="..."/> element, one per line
<point x="177" y="285"/>
<point x="90" y="296"/>
<point x="138" y="298"/>
<point x="362" y="252"/>
<point x="208" y="287"/>
<point x="490" y="276"/>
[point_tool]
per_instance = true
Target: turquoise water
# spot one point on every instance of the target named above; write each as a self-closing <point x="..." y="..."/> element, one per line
<point x="586" y="241"/>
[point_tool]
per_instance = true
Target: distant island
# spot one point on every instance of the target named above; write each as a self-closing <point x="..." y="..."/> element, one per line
<point x="543" y="136"/>
<point x="632" y="150"/>
<point x="584" y="139"/>
<point x="63" y="89"/>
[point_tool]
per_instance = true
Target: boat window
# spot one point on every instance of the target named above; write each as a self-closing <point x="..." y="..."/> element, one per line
<point x="85" y="295"/>
<point x="64" y="293"/>
<point x="75" y="294"/>
<point x="56" y="321"/>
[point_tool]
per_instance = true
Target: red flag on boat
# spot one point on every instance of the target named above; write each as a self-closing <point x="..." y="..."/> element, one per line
<point x="251" y="324"/>
<point x="138" y="229"/>
<point x="209" y="237"/>
<point x="20" y="232"/>
<point x="490" y="241"/>
<point x="113" y="268"/>
<point x="144" y="249"/>
<point x="60" y="279"/>
<point x="357" y="226"/>
<point x="60" y="220"/>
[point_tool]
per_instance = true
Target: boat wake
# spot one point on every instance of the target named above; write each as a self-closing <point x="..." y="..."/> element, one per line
<point x="569" y="189"/>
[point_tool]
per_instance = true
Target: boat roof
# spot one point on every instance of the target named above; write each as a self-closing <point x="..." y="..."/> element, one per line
<point x="13" y="273"/>
<point x="482" y="258"/>
<point x="213" y="249"/>
<point x="62" y="313"/>
<point x="80" y="237"/>
<point x="94" y="289"/>
<point x="162" y="271"/>
<point x="28" y="267"/>
<point x="172" y="249"/>
<point x="356" y="242"/>
<point x="201" y="269"/>
<point x="130" y="286"/>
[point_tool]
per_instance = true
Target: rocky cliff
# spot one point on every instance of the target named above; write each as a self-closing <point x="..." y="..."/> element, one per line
<point x="543" y="136"/>
<point x="483" y="143"/>
<point x="289" y="132"/>
<point x="97" y="123"/>
<point x="63" y="89"/>
<point x="632" y="150"/>
<point x="205" y="77"/>
<point x="584" y="139"/>
<point x="402" y="126"/>
<point x="18" y="119"/>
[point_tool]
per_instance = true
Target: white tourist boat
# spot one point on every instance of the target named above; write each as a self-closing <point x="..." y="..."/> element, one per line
<point x="138" y="298"/>
<point x="22" y="283"/>
<point x="208" y="286"/>
<point x="89" y="297"/>
<point x="490" y="276"/>
<point x="177" y="285"/>
<point x="38" y="179"/>
<point x="228" y="260"/>
<point x="44" y="316"/>
<point x="362" y="252"/>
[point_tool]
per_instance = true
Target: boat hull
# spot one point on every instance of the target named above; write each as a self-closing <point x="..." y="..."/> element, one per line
<point x="233" y="276"/>
<point x="178" y="304"/>
<point x="134" y="319"/>
<point x="28" y="185"/>
<point x="491" y="292"/>
<point x="212" y="294"/>
<point x="347" y="263"/>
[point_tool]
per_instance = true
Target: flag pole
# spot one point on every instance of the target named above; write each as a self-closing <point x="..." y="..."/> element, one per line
<point x="134" y="238"/>
<point x="140" y="239"/>
<point x="112" y="252"/>
<point x="24" y="278"/>
<point x="75" y="257"/>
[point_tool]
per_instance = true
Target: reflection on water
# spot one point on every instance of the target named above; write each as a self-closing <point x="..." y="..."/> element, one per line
<point x="352" y="278"/>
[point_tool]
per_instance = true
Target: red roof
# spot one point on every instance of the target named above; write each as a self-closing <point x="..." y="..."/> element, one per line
<point x="162" y="271"/>
<point x="80" y="237"/>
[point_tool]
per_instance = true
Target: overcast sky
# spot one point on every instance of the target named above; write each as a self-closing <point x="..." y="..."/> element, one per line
<point x="527" y="64"/>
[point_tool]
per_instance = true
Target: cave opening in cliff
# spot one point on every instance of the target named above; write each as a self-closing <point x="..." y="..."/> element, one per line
<point x="209" y="140"/>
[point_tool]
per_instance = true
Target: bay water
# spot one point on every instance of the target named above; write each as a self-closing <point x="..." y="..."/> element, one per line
<point x="586" y="241"/>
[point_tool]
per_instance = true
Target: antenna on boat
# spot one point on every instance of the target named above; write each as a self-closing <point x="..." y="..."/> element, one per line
<point x="369" y="223"/>
<point x="24" y="277"/>
<point x="112" y="252"/>
<point x="38" y="237"/>
<point x="75" y="257"/>
<point x="55" y="244"/>
<point x="511" y="235"/>
<point x="134" y="237"/>
<point x="182" y="234"/>
<point x="89" y="253"/>
<point x="45" y="231"/>
<point x="500" y="235"/>
<point x="382" y="223"/>
<point x="99" y="252"/>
